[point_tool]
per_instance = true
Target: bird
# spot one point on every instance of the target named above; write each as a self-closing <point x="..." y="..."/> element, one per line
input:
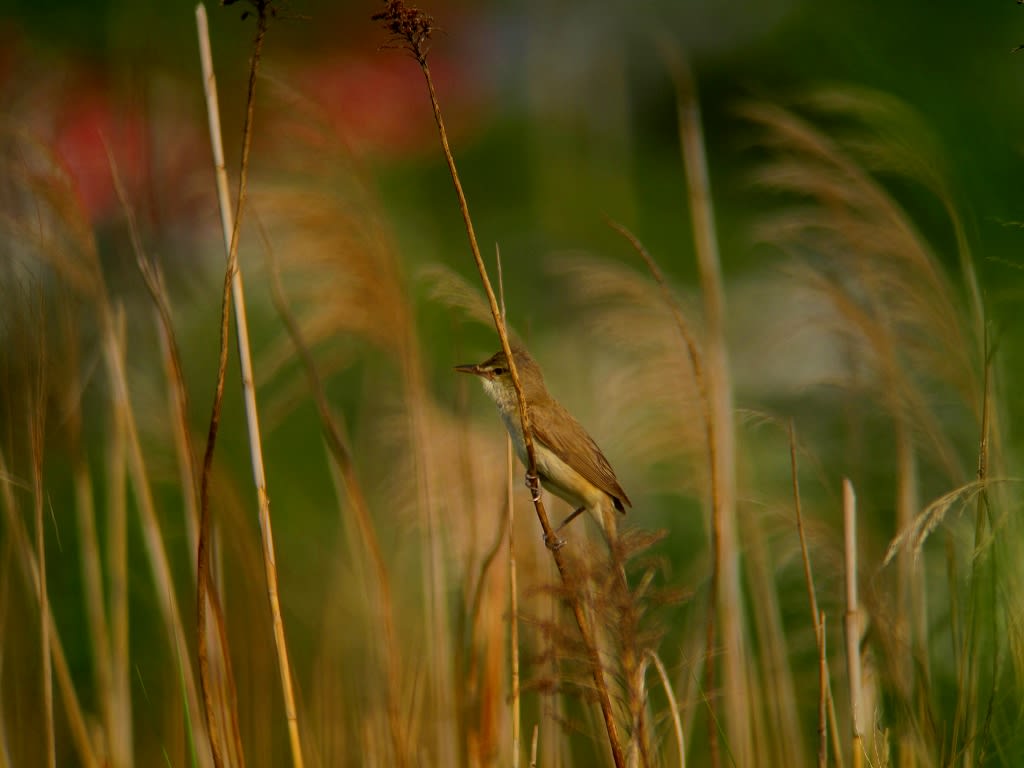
<point x="569" y="462"/>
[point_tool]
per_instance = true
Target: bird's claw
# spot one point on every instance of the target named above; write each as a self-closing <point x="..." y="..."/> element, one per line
<point x="553" y="541"/>
<point x="533" y="483"/>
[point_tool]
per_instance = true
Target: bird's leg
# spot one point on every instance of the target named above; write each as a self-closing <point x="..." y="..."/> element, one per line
<point x="553" y="542"/>
<point x="556" y="542"/>
<point x="570" y="518"/>
<point x="533" y="483"/>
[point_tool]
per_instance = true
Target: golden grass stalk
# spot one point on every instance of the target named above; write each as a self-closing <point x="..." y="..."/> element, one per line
<point x="5" y="602"/>
<point x="117" y="543"/>
<point x="363" y="297"/>
<point x="22" y="546"/>
<point x="493" y="661"/>
<point x="173" y="370"/>
<point x="694" y="356"/>
<point x="673" y="706"/>
<point x="911" y="604"/>
<point x="440" y="653"/>
<point x="412" y="28"/>
<point x="233" y="296"/>
<point x="969" y="723"/>
<point x="513" y="618"/>
<point x="342" y="456"/>
<point x="776" y="717"/>
<point x="179" y="398"/>
<point x="92" y="587"/>
<point x="68" y="379"/>
<point x="636" y="753"/>
<point x="689" y="340"/>
<point x="725" y="590"/>
<point x="89" y="549"/>
<point x="824" y="699"/>
<point x="817" y="616"/>
<point x="124" y="458"/>
<point x="480" y="660"/>
<point x="897" y="308"/>
<point x="35" y="413"/>
<point x="552" y="701"/>
<point x="690" y="346"/>
<point x="134" y="462"/>
<point x="853" y="621"/>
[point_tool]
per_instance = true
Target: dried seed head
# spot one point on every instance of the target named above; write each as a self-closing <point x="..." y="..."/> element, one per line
<point x="409" y="27"/>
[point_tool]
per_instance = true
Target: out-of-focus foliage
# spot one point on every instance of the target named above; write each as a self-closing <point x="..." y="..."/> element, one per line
<point x="864" y="167"/>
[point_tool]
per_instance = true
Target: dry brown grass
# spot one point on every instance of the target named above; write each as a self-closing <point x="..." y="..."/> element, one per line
<point x="404" y="646"/>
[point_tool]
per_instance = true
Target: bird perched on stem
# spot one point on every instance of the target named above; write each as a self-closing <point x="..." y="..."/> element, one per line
<point x="569" y="463"/>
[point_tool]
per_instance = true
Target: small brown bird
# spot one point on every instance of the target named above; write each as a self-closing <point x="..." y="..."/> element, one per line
<point x="569" y="463"/>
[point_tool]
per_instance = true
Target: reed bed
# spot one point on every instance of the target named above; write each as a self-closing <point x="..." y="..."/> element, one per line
<point x="826" y="573"/>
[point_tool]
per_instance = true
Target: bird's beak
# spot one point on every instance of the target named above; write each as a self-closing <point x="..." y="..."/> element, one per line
<point x="474" y="369"/>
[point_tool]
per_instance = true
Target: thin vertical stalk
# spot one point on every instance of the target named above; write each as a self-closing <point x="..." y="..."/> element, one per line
<point x="6" y="557"/>
<point x="823" y="694"/>
<point x="673" y="706"/>
<point x="35" y="413"/>
<point x="179" y="416"/>
<point x="817" y="616"/>
<point x="853" y="620"/>
<point x="636" y="754"/>
<point x="22" y="546"/>
<point x="126" y="457"/>
<point x="177" y="397"/>
<point x="586" y="632"/>
<point x="911" y="605"/>
<point x="173" y="370"/>
<point x="134" y="462"/>
<point x="512" y="577"/>
<point x="342" y="454"/>
<point x="775" y="720"/>
<point x="414" y="28"/>
<point x="552" y="704"/>
<point x="513" y="606"/>
<point x="438" y="640"/>
<point x="233" y="288"/>
<point x="965" y="722"/>
<point x="117" y="541"/>
<point x="94" y="601"/>
<point x="95" y="611"/>
<point x="726" y="595"/>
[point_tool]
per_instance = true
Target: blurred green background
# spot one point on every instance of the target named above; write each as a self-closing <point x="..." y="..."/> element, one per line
<point x="560" y="113"/>
<point x="522" y="83"/>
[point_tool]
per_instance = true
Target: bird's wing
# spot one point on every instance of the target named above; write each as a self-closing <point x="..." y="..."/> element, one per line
<point x="591" y="464"/>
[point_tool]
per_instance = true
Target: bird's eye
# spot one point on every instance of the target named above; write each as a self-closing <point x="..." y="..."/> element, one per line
<point x="499" y="371"/>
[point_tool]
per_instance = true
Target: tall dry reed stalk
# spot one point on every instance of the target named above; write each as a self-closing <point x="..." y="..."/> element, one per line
<point x="342" y="455"/>
<point x="919" y="345"/>
<point x="852" y="625"/>
<point x="726" y="601"/>
<point x="63" y="249"/>
<point x="412" y="29"/>
<point x="234" y="299"/>
<point x="35" y="415"/>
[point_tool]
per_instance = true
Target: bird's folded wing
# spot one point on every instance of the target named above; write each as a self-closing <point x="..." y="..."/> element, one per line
<point x="587" y="460"/>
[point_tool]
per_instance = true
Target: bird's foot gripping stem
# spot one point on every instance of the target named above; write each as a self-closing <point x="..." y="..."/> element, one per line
<point x="554" y="542"/>
<point x="533" y="483"/>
